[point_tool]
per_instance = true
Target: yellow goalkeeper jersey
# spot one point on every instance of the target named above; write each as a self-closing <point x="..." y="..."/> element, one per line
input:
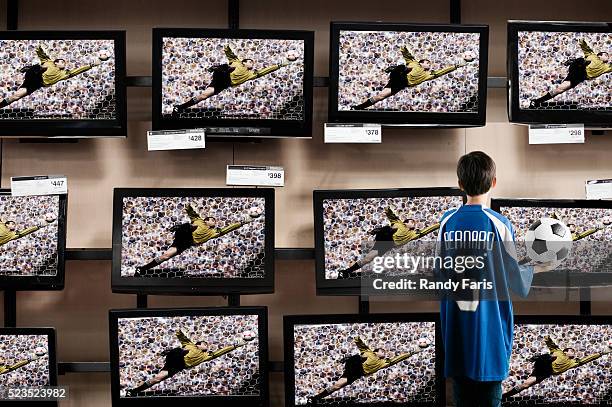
<point x="7" y="235"/>
<point x="417" y="74"/>
<point x="403" y="233"/>
<point x="203" y="233"/>
<point x="562" y="362"/>
<point x="195" y="355"/>
<point x="241" y="73"/>
<point x="596" y="66"/>
<point x="52" y="73"/>
<point x="372" y="363"/>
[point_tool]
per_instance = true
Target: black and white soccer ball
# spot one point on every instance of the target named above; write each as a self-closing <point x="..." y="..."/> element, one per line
<point x="103" y="55"/>
<point x="548" y="240"/>
<point x="255" y="212"/>
<point x="292" y="55"/>
<point x="40" y="352"/>
<point x="249" y="336"/>
<point x="424" y="343"/>
<point x="469" y="56"/>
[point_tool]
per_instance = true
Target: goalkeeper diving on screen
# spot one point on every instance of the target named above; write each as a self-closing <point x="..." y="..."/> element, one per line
<point x="413" y="73"/>
<point x="188" y="356"/>
<point x="232" y="74"/>
<point x="48" y="72"/>
<point x="197" y="231"/>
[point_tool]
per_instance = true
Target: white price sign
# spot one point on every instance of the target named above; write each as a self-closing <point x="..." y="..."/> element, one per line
<point x="255" y="175"/>
<point x="176" y="139"/>
<point x="556" y="134"/>
<point x="352" y="133"/>
<point x="39" y="185"/>
<point x="599" y="189"/>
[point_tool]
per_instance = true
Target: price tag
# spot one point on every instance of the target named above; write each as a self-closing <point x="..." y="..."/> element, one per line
<point x="255" y="175"/>
<point x="176" y="139"/>
<point x="599" y="189"/>
<point x="556" y="134"/>
<point x="39" y="185"/>
<point x="362" y="133"/>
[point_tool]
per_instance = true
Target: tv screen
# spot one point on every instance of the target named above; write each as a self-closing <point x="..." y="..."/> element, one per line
<point x="354" y="227"/>
<point x="193" y="241"/>
<point x="589" y="262"/>
<point x="560" y="361"/>
<point x="208" y="355"/>
<point x="62" y="84"/>
<point x="408" y="74"/>
<point x="33" y="241"/>
<point x="27" y="360"/>
<point x="246" y="83"/>
<point x="560" y="72"/>
<point x="353" y="360"/>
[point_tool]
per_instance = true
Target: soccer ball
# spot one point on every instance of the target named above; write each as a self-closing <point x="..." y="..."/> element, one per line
<point x="249" y="336"/>
<point x="548" y="240"/>
<point x="606" y="221"/>
<point x="292" y="55"/>
<point x="424" y="343"/>
<point x="469" y="56"/>
<point x="50" y="218"/>
<point x="103" y="55"/>
<point x="255" y="212"/>
<point x="40" y="352"/>
<point x="333" y="275"/>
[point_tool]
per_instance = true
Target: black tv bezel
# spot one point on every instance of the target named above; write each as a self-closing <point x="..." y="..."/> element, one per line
<point x="417" y="119"/>
<point x="353" y="286"/>
<point x="50" y="334"/>
<point x="595" y="119"/>
<point x="560" y="278"/>
<point x="278" y="128"/>
<point x="262" y="314"/>
<point x="56" y="282"/>
<point x="193" y="286"/>
<point x="54" y="128"/>
<point x="560" y="320"/>
<point x="290" y="321"/>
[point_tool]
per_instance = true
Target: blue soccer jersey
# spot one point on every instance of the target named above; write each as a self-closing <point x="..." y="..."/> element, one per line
<point x="478" y="331"/>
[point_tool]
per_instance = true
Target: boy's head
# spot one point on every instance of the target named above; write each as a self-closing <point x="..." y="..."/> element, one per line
<point x="476" y="173"/>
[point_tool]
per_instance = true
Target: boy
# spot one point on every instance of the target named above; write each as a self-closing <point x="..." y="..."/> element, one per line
<point x="477" y="329"/>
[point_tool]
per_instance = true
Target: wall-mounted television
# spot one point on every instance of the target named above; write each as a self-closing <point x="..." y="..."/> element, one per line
<point x="62" y="84"/>
<point x="32" y="241"/>
<point x="27" y="360"/>
<point x="559" y="72"/>
<point x="408" y="74"/>
<point x="590" y="222"/>
<point x="354" y="227"/>
<point x="214" y="356"/>
<point x="363" y="360"/>
<point x="193" y="240"/>
<point x="559" y="361"/>
<point x="242" y="83"/>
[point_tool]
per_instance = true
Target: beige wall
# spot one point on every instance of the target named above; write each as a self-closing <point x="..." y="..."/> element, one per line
<point x="407" y="158"/>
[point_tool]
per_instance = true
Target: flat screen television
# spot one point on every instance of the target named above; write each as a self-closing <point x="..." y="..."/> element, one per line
<point x="590" y="260"/>
<point x="537" y="382"/>
<point x="242" y="83"/>
<point x="193" y="240"/>
<point x="33" y="241"/>
<point x="27" y="360"/>
<point x="62" y="84"/>
<point x="215" y="356"/>
<point x="354" y="225"/>
<point x="559" y="72"/>
<point x="408" y="74"/>
<point x="324" y="360"/>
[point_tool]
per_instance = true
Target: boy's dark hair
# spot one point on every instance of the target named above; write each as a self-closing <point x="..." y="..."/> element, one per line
<point x="475" y="172"/>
